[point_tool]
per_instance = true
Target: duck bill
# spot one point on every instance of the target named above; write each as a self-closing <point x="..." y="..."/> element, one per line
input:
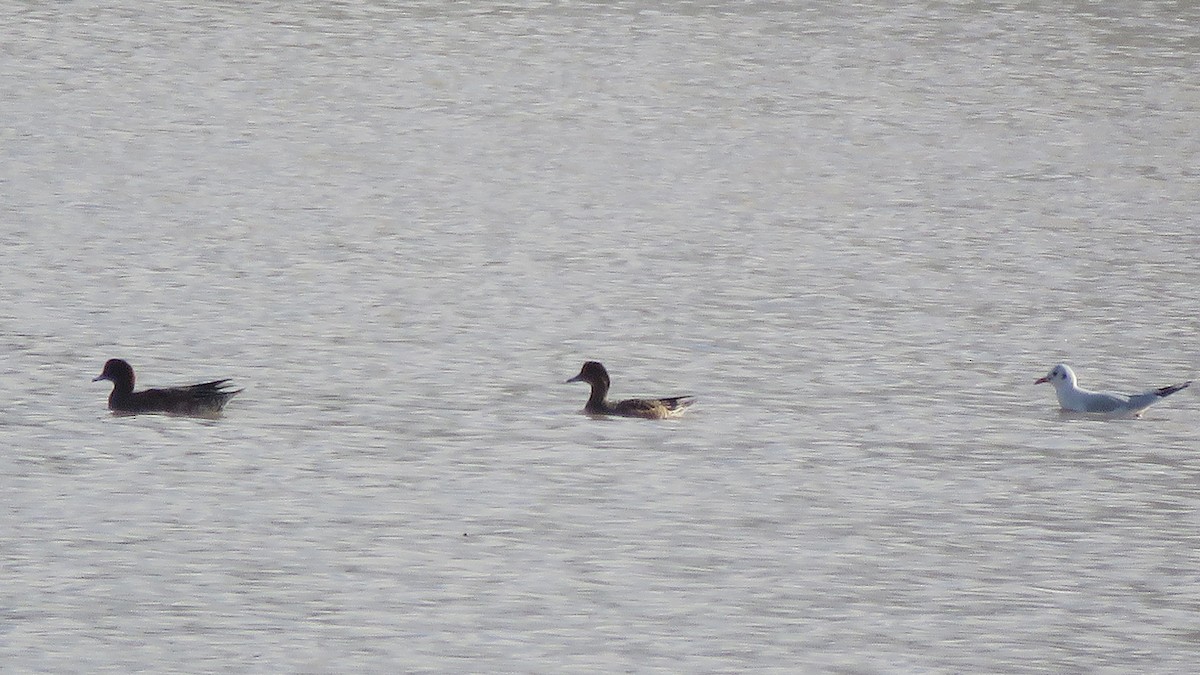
<point x="577" y="378"/>
<point x="1040" y="380"/>
<point x="99" y="377"/>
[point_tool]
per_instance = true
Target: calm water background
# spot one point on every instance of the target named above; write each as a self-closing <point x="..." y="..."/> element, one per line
<point x="857" y="232"/>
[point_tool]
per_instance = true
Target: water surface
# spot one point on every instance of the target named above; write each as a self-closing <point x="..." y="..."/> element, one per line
<point x="857" y="233"/>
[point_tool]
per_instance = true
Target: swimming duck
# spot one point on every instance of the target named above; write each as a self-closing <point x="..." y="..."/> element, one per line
<point x="1074" y="399"/>
<point x="652" y="408"/>
<point x="205" y="399"/>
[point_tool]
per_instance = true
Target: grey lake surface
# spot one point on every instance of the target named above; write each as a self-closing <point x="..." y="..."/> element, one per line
<point x="858" y="232"/>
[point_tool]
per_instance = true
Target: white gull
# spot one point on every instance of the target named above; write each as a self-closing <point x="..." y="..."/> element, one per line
<point x="1075" y="399"/>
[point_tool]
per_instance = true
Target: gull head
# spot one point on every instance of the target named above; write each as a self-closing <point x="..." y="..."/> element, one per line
<point x="1060" y="375"/>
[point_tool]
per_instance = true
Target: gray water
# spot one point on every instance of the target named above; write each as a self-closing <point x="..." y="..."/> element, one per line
<point x="858" y="233"/>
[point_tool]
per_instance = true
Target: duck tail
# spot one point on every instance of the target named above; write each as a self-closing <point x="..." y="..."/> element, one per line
<point x="678" y="402"/>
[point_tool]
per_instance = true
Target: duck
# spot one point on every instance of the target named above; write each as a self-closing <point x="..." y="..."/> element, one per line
<point x="1073" y="398"/>
<point x="650" y="408"/>
<point x="205" y="399"/>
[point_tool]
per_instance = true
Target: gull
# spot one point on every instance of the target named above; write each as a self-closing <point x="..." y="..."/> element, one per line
<point x="1074" y="399"/>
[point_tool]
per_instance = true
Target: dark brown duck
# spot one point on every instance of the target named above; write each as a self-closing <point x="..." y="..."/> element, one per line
<point x="204" y="399"/>
<point x="652" y="408"/>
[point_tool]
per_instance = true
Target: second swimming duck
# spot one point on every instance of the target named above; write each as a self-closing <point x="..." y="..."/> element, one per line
<point x="205" y="399"/>
<point x="652" y="408"/>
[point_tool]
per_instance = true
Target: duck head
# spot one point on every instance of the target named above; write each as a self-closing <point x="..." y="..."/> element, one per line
<point x="592" y="373"/>
<point x="118" y="372"/>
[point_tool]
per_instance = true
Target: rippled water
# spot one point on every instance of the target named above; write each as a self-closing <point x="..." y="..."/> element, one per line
<point x="857" y="233"/>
